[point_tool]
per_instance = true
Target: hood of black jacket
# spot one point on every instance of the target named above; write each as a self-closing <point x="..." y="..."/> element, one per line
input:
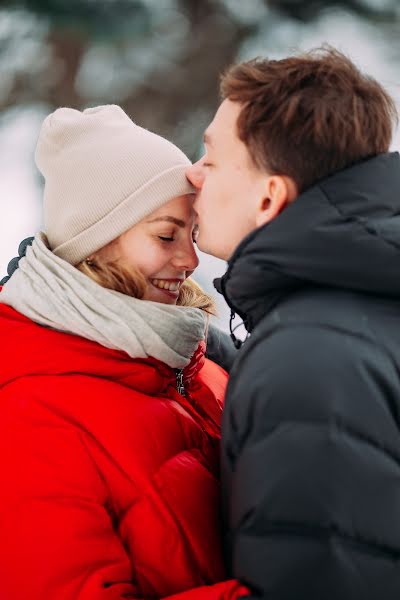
<point x="344" y="232"/>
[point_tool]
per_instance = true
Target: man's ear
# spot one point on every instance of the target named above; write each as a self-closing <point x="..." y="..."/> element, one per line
<point x="279" y="191"/>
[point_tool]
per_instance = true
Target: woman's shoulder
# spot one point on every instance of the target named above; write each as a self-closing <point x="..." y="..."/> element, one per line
<point x="33" y="353"/>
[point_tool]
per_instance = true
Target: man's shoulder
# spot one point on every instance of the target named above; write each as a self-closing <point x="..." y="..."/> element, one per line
<point x="318" y="341"/>
<point x="302" y="369"/>
<point x="293" y="345"/>
<point x="302" y="326"/>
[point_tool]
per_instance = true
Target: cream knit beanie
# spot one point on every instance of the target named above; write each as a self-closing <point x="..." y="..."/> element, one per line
<point x="103" y="174"/>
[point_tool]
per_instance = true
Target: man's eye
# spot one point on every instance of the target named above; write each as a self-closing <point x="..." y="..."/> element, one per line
<point x="207" y="164"/>
<point x="166" y="239"/>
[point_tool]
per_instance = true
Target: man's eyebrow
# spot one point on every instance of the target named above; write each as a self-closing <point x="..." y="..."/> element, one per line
<point x="207" y="139"/>
<point x="169" y="219"/>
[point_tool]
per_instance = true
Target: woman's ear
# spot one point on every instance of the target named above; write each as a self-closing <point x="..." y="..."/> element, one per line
<point x="278" y="193"/>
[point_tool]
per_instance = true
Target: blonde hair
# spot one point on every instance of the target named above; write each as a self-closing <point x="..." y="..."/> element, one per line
<point x="114" y="276"/>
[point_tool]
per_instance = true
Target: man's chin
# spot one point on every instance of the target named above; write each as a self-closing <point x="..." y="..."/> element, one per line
<point x="209" y="249"/>
<point x="202" y="245"/>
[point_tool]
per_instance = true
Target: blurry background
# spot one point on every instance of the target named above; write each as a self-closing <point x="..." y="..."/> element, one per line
<point x="160" y="60"/>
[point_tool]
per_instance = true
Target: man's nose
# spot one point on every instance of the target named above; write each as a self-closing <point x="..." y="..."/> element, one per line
<point x="195" y="174"/>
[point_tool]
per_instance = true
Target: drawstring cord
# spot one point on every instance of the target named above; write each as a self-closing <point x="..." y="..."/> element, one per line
<point x="13" y="264"/>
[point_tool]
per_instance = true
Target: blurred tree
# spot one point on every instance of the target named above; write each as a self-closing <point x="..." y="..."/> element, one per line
<point x="186" y="95"/>
<point x="161" y="60"/>
<point x="307" y="10"/>
<point x="174" y="93"/>
<point x="91" y="15"/>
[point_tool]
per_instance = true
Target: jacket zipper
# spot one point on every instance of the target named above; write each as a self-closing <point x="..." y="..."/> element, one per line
<point x="180" y="386"/>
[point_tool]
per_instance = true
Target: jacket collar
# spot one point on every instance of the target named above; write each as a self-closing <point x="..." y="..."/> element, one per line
<point x="55" y="294"/>
<point x="45" y="351"/>
<point x="344" y="233"/>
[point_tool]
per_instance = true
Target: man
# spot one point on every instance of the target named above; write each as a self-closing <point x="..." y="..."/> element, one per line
<point x="298" y="191"/>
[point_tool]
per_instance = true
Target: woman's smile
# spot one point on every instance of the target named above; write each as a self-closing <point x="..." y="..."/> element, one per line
<point x="170" y="287"/>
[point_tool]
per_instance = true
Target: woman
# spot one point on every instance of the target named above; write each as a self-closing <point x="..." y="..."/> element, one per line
<point x="109" y="410"/>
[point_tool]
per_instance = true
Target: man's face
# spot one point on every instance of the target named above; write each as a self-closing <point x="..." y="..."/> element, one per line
<point x="229" y="186"/>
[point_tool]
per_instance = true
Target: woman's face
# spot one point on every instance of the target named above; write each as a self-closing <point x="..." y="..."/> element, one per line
<point x="162" y="248"/>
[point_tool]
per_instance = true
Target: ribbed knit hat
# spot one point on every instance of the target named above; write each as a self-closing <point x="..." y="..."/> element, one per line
<point x="103" y="174"/>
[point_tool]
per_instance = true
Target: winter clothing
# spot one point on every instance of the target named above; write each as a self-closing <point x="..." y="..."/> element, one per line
<point x="51" y="292"/>
<point x="103" y="175"/>
<point x="110" y="476"/>
<point x="311" y="450"/>
<point x="14" y="262"/>
<point x="220" y="348"/>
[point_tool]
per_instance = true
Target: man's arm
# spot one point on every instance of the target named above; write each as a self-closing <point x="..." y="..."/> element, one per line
<point x="311" y="475"/>
<point x="220" y="348"/>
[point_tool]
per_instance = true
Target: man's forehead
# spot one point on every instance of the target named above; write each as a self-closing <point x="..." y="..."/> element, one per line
<point x="215" y="136"/>
<point x="223" y="126"/>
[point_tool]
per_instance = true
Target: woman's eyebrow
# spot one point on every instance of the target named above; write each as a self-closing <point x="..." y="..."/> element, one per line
<point x="169" y="219"/>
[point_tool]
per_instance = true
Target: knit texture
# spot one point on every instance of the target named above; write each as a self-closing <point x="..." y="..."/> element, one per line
<point x="51" y="292"/>
<point x="103" y="174"/>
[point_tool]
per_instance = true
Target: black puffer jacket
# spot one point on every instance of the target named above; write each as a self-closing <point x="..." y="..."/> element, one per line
<point x="311" y="456"/>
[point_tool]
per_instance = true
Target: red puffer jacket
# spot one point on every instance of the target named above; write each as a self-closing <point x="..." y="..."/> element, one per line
<point x="109" y="478"/>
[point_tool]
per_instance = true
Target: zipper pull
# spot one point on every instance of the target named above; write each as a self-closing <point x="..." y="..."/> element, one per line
<point x="179" y="382"/>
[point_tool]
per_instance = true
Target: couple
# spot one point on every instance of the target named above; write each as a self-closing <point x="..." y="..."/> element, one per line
<point x="111" y="402"/>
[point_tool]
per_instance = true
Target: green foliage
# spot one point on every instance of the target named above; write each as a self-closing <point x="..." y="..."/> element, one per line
<point x="97" y="17"/>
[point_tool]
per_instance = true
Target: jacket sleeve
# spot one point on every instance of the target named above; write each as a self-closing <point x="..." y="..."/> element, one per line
<point x="57" y="537"/>
<point x="226" y="590"/>
<point x="308" y="441"/>
<point x="220" y="348"/>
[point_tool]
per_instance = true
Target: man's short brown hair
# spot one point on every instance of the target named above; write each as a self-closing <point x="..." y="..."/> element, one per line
<point x="309" y="115"/>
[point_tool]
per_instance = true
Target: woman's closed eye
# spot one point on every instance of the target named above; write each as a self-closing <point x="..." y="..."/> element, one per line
<point x="165" y="238"/>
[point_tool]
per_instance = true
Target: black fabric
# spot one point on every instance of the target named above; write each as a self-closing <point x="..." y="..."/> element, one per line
<point x="220" y="348"/>
<point x="311" y="440"/>
<point x="14" y="262"/>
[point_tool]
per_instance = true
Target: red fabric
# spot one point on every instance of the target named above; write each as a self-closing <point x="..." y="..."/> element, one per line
<point x="109" y="478"/>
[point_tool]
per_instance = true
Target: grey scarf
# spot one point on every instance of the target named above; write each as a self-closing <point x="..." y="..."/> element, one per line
<point x="55" y="294"/>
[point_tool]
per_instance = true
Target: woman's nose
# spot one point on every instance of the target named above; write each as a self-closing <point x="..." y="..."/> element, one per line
<point x="195" y="174"/>
<point x="186" y="259"/>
